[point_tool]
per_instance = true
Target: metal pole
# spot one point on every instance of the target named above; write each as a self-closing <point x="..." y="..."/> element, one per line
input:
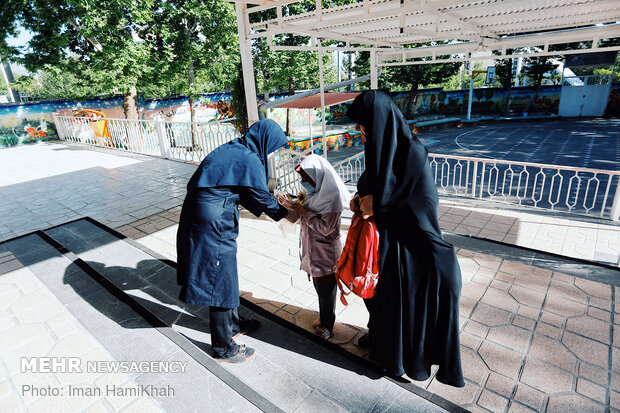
<point x="338" y="67"/>
<point x="374" y="82"/>
<point x="322" y="86"/>
<point x="246" y="63"/>
<point x="615" y="206"/>
<point x="471" y="89"/>
<point x="7" y="75"/>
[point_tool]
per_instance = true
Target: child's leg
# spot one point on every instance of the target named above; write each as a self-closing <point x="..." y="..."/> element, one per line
<point x="326" y="290"/>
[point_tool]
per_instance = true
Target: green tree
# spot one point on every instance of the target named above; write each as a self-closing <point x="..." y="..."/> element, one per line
<point x="95" y="41"/>
<point x="535" y="68"/>
<point x="503" y="76"/>
<point x="200" y="37"/>
<point x="411" y="77"/>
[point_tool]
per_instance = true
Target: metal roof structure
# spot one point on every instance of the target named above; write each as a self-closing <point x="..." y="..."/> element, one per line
<point x="455" y="30"/>
<point x="314" y="101"/>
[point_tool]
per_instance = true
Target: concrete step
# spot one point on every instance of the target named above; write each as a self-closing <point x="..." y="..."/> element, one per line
<point x="291" y="371"/>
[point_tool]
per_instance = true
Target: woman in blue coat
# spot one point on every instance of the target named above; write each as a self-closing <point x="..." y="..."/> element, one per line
<point x="234" y="173"/>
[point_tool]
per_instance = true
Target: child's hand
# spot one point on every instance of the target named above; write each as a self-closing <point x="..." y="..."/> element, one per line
<point x="286" y="201"/>
<point x="299" y="209"/>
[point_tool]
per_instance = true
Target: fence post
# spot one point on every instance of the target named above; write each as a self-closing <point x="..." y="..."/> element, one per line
<point x="615" y="206"/>
<point x="60" y="127"/>
<point x="160" y="129"/>
<point x="474" y="178"/>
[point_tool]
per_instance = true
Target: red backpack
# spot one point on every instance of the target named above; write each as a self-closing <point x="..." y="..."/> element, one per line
<point x="358" y="266"/>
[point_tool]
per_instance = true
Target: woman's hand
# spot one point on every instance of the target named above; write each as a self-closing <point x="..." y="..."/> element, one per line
<point x="366" y="206"/>
<point x="354" y="205"/>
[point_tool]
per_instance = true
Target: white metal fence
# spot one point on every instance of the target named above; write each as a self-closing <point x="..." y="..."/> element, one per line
<point x="171" y="140"/>
<point x="583" y="191"/>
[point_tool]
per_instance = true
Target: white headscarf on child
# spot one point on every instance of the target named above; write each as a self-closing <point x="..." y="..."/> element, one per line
<point x="330" y="193"/>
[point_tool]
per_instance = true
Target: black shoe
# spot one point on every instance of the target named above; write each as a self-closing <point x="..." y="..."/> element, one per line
<point x="364" y="341"/>
<point x="243" y="353"/>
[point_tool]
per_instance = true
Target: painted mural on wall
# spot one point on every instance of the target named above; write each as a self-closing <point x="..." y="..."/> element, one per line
<point x="33" y="121"/>
<point x="486" y="101"/>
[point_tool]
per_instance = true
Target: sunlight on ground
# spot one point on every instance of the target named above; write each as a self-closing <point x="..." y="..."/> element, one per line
<point x="26" y="163"/>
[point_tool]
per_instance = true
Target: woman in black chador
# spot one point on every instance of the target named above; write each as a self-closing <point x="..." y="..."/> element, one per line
<point x="414" y="316"/>
<point x="234" y="173"/>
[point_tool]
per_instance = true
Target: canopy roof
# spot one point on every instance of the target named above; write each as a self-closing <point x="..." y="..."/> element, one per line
<point x="451" y="30"/>
<point x="314" y="101"/>
<point x="387" y="26"/>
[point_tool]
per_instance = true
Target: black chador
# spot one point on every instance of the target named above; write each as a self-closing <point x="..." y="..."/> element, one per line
<point x="414" y="317"/>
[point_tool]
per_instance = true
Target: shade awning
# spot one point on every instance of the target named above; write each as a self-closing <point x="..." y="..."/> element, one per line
<point x="314" y="101"/>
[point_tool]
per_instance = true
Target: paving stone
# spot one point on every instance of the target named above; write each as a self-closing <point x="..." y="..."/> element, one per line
<point x="572" y="402"/>
<point x="490" y="315"/>
<point x="527" y="296"/>
<point x="591" y="390"/>
<point x="500" y="384"/>
<point x="142" y="405"/>
<point x="19" y="335"/>
<point x="469" y="341"/>
<point x="12" y="404"/>
<point x="594" y="288"/>
<point x="589" y="327"/>
<point x="473" y="291"/>
<point x="586" y="349"/>
<point x="599" y="314"/>
<point x="477" y="329"/>
<point x="500" y="359"/>
<point x="4" y="389"/>
<point x="510" y="336"/>
<point x="566" y="290"/>
<point x="515" y="268"/>
<point x="553" y="352"/>
<point x="552" y="319"/>
<point x="563" y="306"/>
<point x="519" y="408"/>
<point x="600" y="303"/>
<point x="462" y="396"/>
<point x="492" y="401"/>
<point x="548" y="330"/>
<point x="545" y="377"/>
<point x="474" y="368"/>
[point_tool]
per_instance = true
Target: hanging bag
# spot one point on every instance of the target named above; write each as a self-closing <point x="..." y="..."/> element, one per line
<point x="358" y="266"/>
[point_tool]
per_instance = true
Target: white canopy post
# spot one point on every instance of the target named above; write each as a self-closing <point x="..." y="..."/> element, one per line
<point x="471" y="88"/>
<point x="322" y="87"/>
<point x="374" y="81"/>
<point x="246" y="63"/>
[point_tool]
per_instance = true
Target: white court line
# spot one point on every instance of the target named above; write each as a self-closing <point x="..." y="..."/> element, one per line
<point x="456" y="140"/>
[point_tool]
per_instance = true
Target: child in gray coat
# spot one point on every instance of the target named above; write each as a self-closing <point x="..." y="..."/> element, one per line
<point x="318" y="211"/>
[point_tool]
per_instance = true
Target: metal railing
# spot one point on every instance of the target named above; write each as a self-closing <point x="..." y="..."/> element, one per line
<point x="583" y="191"/>
<point x="282" y="165"/>
<point x="170" y="140"/>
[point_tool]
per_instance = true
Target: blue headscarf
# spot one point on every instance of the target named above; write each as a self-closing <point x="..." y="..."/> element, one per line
<point x="242" y="161"/>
